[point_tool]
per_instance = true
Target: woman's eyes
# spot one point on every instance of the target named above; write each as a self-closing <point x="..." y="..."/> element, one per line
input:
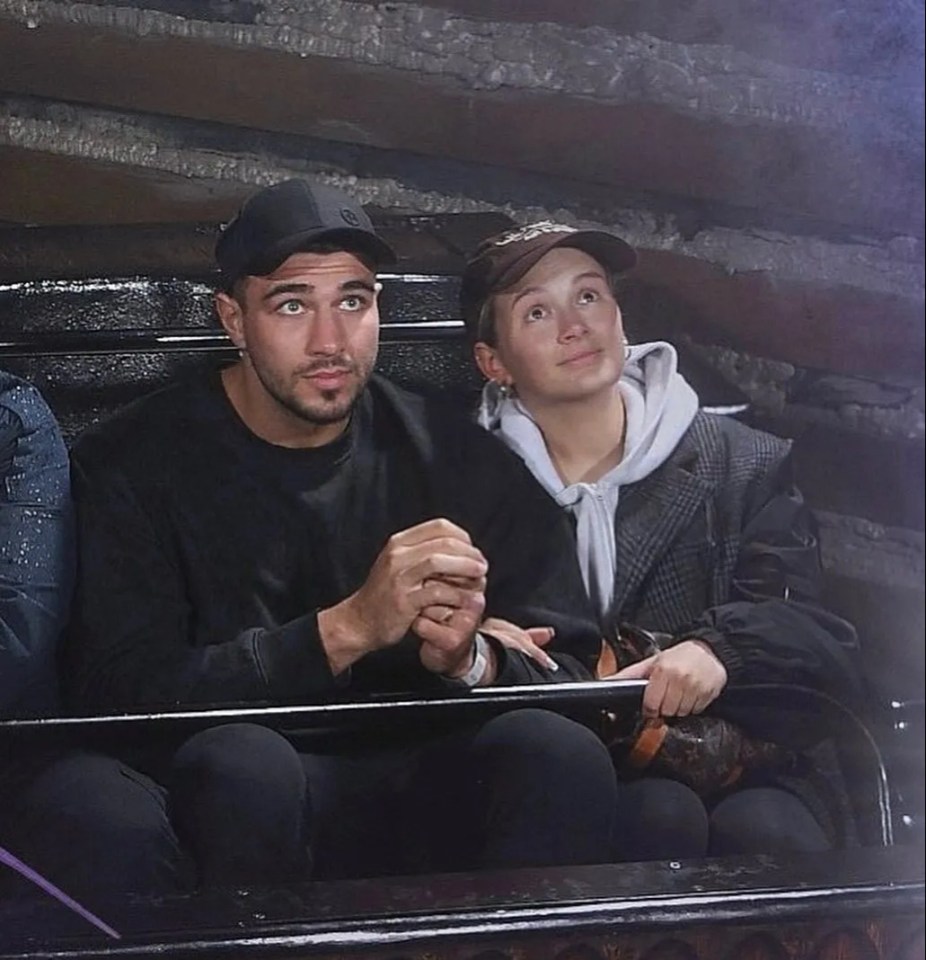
<point x="541" y="312"/>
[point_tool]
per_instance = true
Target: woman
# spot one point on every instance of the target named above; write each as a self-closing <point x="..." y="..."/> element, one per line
<point x="686" y="524"/>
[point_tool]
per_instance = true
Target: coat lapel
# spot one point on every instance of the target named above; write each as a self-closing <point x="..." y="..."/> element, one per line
<point x="652" y="514"/>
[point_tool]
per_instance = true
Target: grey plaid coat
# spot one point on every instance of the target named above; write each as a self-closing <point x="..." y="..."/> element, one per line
<point x="717" y="543"/>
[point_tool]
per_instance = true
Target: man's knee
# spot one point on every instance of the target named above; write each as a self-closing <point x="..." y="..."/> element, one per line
<point x="238" y="797"/>
<point x="546" y="789"/>
<point x="540" y="754"/>
<point x="96" y="825"/>
<point x="237" y="756"/>
<point x="93" y="792"/>
<point x="235" y="781"/>
<point x="545" y="740"/>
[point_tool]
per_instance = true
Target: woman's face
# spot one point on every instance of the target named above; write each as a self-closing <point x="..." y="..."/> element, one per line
<point x="559" y="335"/>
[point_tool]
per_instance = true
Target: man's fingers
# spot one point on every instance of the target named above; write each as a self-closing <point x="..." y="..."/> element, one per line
<point x="466" y="583"/>
<point x="436" y="593"/>
<point x="438" y="613"/>
<point x="450" y="568"/>
<point x="455" y="630"/>
<point x="429" y="530"/>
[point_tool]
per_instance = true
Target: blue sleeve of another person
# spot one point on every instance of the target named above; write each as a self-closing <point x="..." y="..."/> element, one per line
<point x="36" y="549"/>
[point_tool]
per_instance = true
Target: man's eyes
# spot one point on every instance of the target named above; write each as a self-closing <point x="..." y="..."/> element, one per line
<point x="289" y="307"/>
<point x="352" y="303"/>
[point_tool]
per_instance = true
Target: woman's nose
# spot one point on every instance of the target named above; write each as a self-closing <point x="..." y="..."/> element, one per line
<point x="571" y="324"/>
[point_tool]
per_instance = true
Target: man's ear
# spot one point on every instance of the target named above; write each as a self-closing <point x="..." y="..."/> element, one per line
<point x="229" y="311"/>
<point x="489" y="362"/>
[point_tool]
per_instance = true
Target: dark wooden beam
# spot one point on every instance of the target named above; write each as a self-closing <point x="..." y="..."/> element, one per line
<point x="855" y="37"/>
<point x="830" y="326"/>
<point x="633" y="146"/>
<point x="55" y="189"/>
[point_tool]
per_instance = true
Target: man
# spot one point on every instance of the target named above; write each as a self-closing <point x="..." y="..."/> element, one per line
<point x="294" y="528"/>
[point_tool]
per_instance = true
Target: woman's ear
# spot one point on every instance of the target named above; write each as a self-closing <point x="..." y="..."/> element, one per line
<point x="488" y="361"/>
<point x="229" y="311"/>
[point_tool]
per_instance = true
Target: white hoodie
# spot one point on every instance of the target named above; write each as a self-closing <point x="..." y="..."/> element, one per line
<point x="659" y="406"/>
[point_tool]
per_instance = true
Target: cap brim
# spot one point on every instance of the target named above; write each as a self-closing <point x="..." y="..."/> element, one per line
<point x="611" y="252"/>
<point x="360" y="241"/>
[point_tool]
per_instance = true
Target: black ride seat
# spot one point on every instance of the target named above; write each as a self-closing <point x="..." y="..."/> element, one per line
<point x="125" y="311"/>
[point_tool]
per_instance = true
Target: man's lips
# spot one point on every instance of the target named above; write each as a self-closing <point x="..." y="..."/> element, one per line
<point x="327" y="376"/>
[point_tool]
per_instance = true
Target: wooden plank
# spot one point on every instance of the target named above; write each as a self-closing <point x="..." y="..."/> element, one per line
<point x="637" y="145"/>
<point x="828" y="326"/>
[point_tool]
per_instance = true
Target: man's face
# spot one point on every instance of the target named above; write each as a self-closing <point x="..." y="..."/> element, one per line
<point x="309" y="334"/>
<point x="559" y="335"/>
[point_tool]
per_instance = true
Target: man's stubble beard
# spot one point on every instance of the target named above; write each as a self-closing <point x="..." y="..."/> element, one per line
<point x="321" y="413"/>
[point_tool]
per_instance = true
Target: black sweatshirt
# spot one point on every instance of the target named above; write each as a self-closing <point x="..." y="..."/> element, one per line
<point x="205" y="552"/>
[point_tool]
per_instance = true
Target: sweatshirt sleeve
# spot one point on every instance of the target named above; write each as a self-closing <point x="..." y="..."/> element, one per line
<point x="36" y="549"/>
<point x="534" y="578"/>
<point x="130" y="643"/>
<point x="775" y="629"/>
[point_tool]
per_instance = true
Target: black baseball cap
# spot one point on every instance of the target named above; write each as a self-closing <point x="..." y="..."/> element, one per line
<point x="499" y="262"/>
<point x="280" y="220"/>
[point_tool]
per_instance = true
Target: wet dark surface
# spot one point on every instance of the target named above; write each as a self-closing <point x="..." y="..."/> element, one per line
<point x="666" y="894"/>
<point x="93" y="345"/>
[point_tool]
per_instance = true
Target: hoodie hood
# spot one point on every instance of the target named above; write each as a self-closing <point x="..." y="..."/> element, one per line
<point x="659" y="406"/>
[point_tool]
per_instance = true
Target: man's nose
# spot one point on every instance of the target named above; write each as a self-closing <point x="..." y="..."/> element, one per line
<point x="326" y="333"/>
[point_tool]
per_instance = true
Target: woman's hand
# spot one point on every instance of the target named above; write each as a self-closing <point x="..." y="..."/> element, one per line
<point x="683" y="679"/>
<point x="529" y="640"/>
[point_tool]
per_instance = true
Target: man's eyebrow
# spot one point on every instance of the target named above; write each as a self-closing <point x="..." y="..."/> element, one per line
<point x="358" y="285"/>
<point x="280" y="289"/>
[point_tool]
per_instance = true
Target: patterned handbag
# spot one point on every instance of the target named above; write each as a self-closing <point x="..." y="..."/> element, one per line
<point x="707" y="753"/>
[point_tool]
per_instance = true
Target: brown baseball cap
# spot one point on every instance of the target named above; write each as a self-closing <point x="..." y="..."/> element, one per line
<point x="499" y="262"/>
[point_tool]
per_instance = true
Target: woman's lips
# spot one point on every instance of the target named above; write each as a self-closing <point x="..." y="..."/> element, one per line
<point x="579" y="359"/>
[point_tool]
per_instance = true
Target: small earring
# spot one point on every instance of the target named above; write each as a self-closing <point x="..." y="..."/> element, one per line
<point x="504" y="390"/>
